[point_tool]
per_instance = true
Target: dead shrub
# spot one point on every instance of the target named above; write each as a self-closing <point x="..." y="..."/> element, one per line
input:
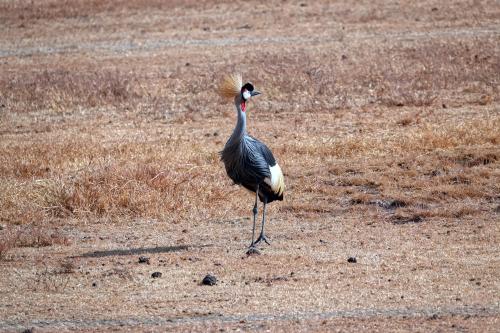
<point x="29" y="236"/>
<point x="53" y="197"/>
<point x="67" y="266"/>
<point x="50" y="279"/>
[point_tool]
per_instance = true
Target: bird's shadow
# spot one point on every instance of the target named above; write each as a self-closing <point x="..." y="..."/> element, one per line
<point x="140" y="250"/>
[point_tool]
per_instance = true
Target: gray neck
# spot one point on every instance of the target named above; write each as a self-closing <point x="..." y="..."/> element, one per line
<point x="241" y="125"/>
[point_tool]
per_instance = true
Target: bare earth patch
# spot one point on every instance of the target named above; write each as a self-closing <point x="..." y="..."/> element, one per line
<point x="385" y="118"/>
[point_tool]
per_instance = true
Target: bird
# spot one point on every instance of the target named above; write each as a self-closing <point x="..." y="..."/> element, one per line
<point x="248" y="161"/>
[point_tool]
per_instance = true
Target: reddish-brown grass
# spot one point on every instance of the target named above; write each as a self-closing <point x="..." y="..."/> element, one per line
<point x="383" y="117"/>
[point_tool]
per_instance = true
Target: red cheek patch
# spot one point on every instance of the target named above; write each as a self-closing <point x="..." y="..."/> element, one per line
<point x="243" y="106"/>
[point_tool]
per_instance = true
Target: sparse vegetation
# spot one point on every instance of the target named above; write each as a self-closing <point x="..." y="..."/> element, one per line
<point x="384" y="118"/>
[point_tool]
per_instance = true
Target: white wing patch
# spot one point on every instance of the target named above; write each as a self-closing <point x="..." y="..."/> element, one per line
<point x="276" y="182"/>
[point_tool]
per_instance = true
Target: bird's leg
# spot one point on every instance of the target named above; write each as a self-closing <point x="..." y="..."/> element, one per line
<point x="254" y="215"/>
<point x="262" y="236"/>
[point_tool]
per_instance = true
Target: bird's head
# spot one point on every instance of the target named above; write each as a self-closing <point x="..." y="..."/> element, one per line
<point x="247" y="91"/>
<point x="232" y="87"/>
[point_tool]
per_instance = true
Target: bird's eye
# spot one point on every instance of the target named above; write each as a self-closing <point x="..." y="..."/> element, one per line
<point x="248" y="86"/>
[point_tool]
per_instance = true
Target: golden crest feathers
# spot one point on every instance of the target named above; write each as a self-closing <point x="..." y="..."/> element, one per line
<point x="231" y="85"/>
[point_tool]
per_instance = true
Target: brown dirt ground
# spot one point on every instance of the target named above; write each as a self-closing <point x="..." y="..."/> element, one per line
<point x="384" y="116"/>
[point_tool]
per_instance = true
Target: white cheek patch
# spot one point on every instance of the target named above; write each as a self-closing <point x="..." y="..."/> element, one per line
<point x="246" y="95"/>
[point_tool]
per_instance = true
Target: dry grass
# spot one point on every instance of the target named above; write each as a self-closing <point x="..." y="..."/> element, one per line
<point x="432" y="75"/>
<point x="59" y="89"/>
<point x="384" y="118"/>
<point x="158" y="178"/>
<point x="29" y="236"/>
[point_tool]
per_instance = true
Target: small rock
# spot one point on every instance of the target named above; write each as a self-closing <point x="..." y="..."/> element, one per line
<point x="156" y="275"/>
<point x="253" y="251"/>
<point x="144" y="260"/>
<point x="344" y="57"/>
<point x="209" y="280"/>
<point x="29" y="330"/>
<point x="352" y="260"/>
<point x="322" y="241"/>
<point x="94" y="284"/>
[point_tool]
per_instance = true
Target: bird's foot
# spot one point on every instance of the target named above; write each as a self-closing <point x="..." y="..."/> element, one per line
<point x="261" y="238"/>
<point x="252" y="250"/>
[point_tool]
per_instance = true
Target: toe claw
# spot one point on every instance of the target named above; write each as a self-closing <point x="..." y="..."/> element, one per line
<point x="262" y="237"/>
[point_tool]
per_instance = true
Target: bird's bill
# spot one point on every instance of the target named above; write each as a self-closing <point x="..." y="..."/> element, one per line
<point x="255" y="93"/>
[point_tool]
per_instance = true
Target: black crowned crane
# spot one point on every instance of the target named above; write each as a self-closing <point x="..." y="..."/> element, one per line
<point x="248" y="161"/>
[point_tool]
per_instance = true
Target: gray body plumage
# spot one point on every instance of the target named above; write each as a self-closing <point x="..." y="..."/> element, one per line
<point x="248" y="161"/>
